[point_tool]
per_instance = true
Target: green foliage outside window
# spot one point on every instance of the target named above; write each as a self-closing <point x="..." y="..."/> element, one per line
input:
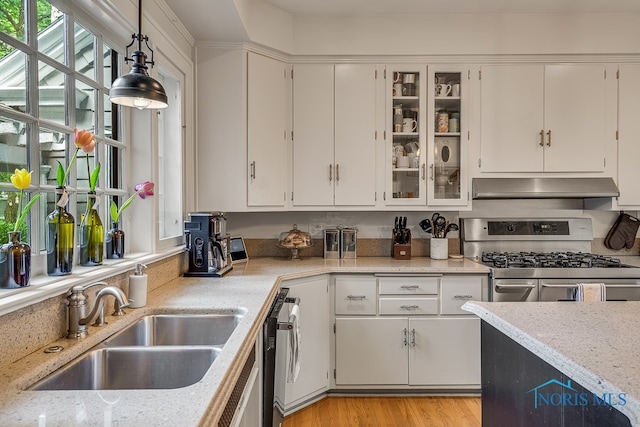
<point x="10" y="212"/>
<point x="12" y="20"/>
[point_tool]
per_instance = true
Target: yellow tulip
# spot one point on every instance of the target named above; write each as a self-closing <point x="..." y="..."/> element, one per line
<point x="21" y="179"/>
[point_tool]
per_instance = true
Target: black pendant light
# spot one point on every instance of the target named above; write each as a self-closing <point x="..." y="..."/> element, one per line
<point x="137" y="89"/>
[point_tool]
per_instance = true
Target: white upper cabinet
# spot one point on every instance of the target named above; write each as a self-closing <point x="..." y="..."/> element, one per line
<point x="334" y="135"/>
<point x="448" y="136"/>
<point x="313" y="153"/>
<point x="405" y="148"/>
<point x="266" y="131"/>
<point x="543" y="118"/>
<point x="628" y="134"/>
<point x="355" y="138"/>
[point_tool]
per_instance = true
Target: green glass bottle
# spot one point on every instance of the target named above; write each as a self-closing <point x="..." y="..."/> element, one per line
<point x="91" y="235"/>
<point x="60" y="239"/>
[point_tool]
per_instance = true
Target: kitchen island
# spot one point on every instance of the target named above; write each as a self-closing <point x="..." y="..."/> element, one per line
<point x="248" y="290"/>
<point x="560" y="363"/>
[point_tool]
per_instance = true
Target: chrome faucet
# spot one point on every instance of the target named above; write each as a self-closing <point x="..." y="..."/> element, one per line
<point x="77" y="304"/>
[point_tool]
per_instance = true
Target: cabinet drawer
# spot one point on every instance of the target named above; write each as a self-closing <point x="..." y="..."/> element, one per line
<point x="455" y="291"/>
<point x="408" y="285"/>
<point x="408" y="306"/>
<point x="355" y="295"/>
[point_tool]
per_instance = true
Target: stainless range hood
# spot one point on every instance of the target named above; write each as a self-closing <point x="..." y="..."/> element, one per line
<point x="543" y="188"/>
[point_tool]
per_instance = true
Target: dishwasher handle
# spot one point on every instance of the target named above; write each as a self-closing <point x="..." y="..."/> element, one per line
<point x="289" y="325"/>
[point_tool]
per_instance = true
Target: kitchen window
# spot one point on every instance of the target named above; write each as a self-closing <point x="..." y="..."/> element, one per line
<point x="55" y="74"/>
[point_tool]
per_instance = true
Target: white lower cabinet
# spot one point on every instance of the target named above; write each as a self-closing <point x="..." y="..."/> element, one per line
<point x="444" y="351"/>
<point x="414" y="351"/>
<point x="371" y="351"/>
<point x="418" y="337"/>
<point x="314" y="345"/>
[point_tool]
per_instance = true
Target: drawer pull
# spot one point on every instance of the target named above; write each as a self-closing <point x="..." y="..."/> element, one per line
<point x="356" y="297"/>
<point x="409" y="307"/>
<point x="409" y="286"/>
<point x="463" y="297"/>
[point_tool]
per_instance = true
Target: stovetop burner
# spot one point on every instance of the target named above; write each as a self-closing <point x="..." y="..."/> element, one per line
<point x="549" y="260"/>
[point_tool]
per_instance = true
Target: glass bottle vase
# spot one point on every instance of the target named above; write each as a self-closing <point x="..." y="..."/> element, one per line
<point x="60" y="238"/>
<point x="115" y="243"/>
<point x="91" y="238"/>
<point x="15" y="262"/>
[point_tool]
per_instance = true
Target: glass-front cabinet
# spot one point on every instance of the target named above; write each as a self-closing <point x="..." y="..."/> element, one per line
<point x="406" y="109"/>
<point x="447" y="133"/>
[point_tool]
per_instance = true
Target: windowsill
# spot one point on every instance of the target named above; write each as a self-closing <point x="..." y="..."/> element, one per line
<point x="42" y="287"/>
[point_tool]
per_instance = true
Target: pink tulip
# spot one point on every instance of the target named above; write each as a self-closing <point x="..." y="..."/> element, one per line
<point x="84" y="140"/>
<point x="144" y="189"/>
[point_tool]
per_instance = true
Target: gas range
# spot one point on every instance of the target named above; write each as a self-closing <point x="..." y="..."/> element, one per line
<point x="544" y="259"/>
<point x="556" y="265"/>
<point x="549" y="260"/>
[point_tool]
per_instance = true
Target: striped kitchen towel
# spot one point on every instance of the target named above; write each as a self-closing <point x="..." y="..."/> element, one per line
<point x="589" y="292"/>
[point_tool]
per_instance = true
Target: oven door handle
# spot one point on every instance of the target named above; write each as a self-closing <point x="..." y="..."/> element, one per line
<point x="566" y="285"/>
<point x="528" y="286"/>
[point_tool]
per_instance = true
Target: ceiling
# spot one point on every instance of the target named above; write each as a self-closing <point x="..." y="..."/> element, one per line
<point x="387" y="7"/>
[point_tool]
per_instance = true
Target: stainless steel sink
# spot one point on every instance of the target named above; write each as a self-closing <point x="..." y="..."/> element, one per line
<point x="132" y="368"/>
<point x="159" y="351"/>
<point x="177" y="329"/>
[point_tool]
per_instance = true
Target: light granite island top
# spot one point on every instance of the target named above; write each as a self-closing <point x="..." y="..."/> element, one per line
<point x="594" y="343"/>
<point x="249" y="289"/>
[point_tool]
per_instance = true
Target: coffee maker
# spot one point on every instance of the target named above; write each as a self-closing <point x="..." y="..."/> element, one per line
<point x="208" y="244"/>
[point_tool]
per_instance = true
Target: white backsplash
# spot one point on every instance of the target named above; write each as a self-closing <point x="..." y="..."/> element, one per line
<point x="377" y="225"/>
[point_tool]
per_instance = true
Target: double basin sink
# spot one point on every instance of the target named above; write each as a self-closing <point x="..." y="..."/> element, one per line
<point x="160" y="351"/>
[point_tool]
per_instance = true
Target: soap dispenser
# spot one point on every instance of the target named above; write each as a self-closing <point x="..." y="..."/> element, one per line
<point x="138" y="287"/>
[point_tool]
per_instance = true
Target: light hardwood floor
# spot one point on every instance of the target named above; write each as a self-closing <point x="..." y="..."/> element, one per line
<point x="392" y="411"/>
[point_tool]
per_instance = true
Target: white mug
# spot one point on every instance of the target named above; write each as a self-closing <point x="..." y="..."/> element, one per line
<point x="402" y="161"/>
<point x="397" y="89"/>
<point x="443" y="90"/>
<point x="409" y="125"/>
<point x="455" y="89"/>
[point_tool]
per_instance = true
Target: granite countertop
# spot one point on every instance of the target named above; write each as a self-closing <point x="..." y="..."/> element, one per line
<point x="594" y="343"/>
<point x="249" y="287"/>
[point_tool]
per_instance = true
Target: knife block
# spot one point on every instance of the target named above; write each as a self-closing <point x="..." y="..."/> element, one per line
<point x="402" y="250"/>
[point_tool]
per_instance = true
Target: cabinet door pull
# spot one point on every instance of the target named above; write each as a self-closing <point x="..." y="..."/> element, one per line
<point x="549" y="138"/>
<point x="542" y="138"/>
<point x="409" y="286"/>
<point x="424" y="174"/>
<point x="337" y="172"/>
<point x="330" y="172"/>
<point x="253" y="170"/>
<point x="404" y="337"/>
<point x="409" y="307"/>
<point x="463" y="297"/>
<point x="356" y="297"/>
<point x="431" y="171"/>
<point x="413" y="338"/>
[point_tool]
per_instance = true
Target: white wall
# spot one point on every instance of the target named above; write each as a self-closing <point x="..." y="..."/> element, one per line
<point x="467" y="34"/>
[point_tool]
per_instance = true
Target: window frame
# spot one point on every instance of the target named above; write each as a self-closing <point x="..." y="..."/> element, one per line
<point x="143" y="247"/>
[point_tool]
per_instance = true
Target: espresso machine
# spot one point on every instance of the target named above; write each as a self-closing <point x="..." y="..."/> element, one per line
<point x="208" y="244"/>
